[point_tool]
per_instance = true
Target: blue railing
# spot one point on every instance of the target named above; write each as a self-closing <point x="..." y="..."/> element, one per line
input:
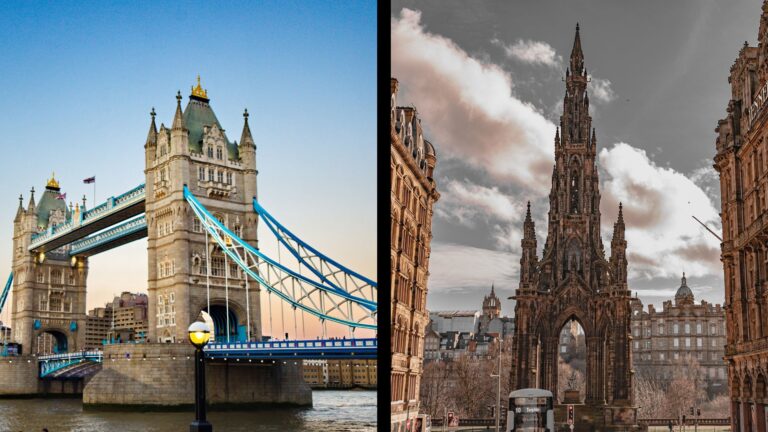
<point x="52" y="363"/>
<point x="298" y="349"/>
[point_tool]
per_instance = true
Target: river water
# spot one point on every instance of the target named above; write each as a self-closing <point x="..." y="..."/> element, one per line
<point x="352" y="411"/>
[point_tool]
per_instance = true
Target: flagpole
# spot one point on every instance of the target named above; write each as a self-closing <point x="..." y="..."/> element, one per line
<point x="94" y="192"/>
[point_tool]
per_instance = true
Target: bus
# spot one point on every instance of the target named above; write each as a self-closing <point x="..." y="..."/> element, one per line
<point x="531" y="410"/>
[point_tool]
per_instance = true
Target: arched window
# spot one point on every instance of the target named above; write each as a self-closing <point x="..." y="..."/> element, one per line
<point x="218" y="153"/>
<point x="575" y="187"/>
<point x="210" y="151"/>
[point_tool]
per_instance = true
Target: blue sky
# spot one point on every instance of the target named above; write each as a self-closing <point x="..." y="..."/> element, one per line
<point x="79" y="80"/>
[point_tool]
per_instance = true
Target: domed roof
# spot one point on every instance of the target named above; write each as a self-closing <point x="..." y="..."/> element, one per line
<point x="684" y="292"/>
<point x="51" y="200"/>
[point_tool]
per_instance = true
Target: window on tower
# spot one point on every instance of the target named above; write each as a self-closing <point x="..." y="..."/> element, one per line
<point x="201" y="173"/>
<point x="218" y="153"/>
<point x="221" y="177"/>
<point x="574" y="191"/>
<point x="210" y="152"/>
<point x="210" y="174"/>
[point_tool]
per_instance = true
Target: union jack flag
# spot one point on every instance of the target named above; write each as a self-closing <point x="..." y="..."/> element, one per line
<point x="89" y="180"/>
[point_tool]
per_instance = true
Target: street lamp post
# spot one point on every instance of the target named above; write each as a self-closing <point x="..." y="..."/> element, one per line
<point x="498" y="390"/>
<point x="199" y="334"/>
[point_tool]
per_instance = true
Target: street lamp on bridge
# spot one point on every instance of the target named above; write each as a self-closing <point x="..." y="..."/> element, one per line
<point x="199" y="334"/>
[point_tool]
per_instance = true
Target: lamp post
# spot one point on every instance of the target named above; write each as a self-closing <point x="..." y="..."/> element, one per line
<point x="199" y="334"/>
<point x="498" y="390"/>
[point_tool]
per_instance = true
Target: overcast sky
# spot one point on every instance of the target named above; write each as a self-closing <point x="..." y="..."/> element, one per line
<point x="486" y="78"/>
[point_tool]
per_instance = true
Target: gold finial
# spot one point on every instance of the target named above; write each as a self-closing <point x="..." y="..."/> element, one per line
<point x="198" y="90"/>
<point x="52" y="183"/>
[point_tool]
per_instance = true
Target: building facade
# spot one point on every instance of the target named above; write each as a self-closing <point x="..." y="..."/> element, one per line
<point x="742" y="161"/>
<point x="662" y="340"/>
<point x="343" y="374"/>
<point x="124" y="319"/>
<point x="453" y="334"/>
<point x="413" y="193"/>
<point x="195" y="151"/>
<point x="574" y="280"/>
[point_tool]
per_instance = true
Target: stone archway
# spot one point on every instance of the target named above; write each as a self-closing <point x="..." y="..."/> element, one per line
<point x="51" y="341"/>
<point x="572" y="362"/>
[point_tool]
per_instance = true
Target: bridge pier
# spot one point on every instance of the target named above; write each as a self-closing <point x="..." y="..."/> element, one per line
<point x="161" y="376"/>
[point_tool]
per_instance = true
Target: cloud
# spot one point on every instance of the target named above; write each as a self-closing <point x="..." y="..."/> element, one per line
<point x="468" y="108"/>
<point x="468" y="201"/>
<point x="533" y="52"/>
<point x="601" y="89"/>
<point x="662" y="238"/>
<point x="455" y="268"/>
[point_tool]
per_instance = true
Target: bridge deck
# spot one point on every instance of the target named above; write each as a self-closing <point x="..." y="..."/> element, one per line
<point x="300" y="349"/>
<point x="111" y="212"/>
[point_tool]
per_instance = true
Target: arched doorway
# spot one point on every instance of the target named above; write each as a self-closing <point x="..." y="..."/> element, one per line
<point x="571" y="363"/>
<point x="218" y="320"/>
<point x="50" y="342"/>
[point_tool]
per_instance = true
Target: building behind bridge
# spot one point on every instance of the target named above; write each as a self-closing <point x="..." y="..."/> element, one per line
<point x="413" y="193"/>
<point x="124" y="319"/>
<point x="340" y="374"/>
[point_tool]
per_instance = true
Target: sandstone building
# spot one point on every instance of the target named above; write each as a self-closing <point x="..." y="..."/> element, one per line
<point x="124" y="319"/>
<point x="742" y="161"/>
<point x="574" y="279"/>
<point x="661" y="340"/>
<point x="413" y="193"/>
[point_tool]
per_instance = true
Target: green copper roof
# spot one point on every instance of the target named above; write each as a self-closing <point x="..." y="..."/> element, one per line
<point x="48" y="202"/>
<point x="198" y="114"/>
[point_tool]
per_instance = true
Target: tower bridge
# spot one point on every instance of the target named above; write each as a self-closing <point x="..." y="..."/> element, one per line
<point x="199" y="211"/>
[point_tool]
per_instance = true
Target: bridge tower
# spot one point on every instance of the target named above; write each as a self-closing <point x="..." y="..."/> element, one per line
<point x="48" y="287"/>
<point x="196" y="152"/>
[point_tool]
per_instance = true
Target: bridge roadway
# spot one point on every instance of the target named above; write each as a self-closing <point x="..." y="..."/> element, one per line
<point x="114" y="210"/>
<point x="79" y="364"/>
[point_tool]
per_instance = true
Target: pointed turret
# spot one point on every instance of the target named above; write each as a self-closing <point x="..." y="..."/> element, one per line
<point x="178" y="117"/>
<point x="31" y="205"/>
<point x="528" y="260"/>
<point x="577" y="56"/>
<point x="20" y="210"/>
<point x="152" y="134"/>
<point x="619" y="250"/>
<point x="246" y="138"/>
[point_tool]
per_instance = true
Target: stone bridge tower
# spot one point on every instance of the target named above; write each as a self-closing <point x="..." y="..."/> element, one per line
<point x="196" y="152"/>
<point x="573" y="280"/>
<point x="48" y="288"/>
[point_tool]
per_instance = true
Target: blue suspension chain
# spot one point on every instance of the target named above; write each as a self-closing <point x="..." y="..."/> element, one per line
<point x="282" y="312"/>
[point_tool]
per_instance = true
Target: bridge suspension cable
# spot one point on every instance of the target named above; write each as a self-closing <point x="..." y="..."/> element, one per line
<point x="6" y="290"/>
<point x="326" y="269"/>
<point x="323" y="301"/>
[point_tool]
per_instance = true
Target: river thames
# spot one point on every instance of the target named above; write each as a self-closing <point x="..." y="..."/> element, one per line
<point x="353" y="411"/>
